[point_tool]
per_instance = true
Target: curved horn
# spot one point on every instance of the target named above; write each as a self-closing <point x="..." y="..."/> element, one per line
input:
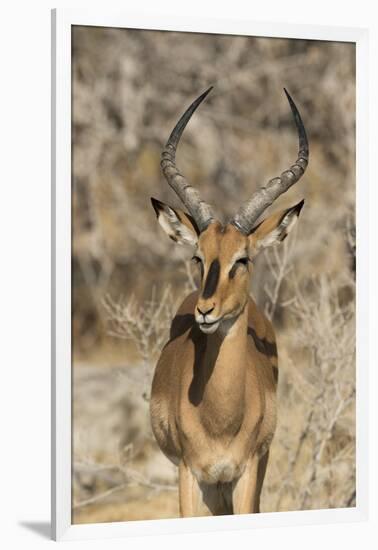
<point x="265" y="196"/>
<point x="201" y="212"/>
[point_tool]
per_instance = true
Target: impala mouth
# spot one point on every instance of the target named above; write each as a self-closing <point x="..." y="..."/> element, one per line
<point x="209" y="328"/>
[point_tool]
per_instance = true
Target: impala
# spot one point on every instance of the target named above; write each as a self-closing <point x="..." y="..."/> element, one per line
<point x="213" y="398"/>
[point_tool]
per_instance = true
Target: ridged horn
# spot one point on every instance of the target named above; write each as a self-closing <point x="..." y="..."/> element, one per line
<point x="201" y="212"/>
<point x="266" y="195"/>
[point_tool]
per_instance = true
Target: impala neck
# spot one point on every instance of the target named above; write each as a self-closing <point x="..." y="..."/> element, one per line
<point x="218" y="383"/>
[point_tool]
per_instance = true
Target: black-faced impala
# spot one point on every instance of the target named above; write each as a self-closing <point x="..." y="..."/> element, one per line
<point x="213" y="399"/>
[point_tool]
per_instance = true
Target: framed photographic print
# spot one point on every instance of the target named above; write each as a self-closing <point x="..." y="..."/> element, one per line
<point x="209" y="266"/>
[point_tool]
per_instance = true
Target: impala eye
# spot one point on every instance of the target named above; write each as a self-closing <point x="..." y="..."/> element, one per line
<point x="196" y="260"/>
<point x="243" y="261"/>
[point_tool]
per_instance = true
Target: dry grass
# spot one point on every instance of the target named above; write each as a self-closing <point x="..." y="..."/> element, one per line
<point x="128" y="278"/>
<point x="313" y="452"/>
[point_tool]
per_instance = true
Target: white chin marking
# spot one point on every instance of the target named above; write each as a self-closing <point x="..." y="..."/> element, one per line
<point x="209" y="329"/>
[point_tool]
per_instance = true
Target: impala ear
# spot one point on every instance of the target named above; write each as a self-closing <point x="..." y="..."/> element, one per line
<point x="178" y="225"/>
<point x="274" y="229"/>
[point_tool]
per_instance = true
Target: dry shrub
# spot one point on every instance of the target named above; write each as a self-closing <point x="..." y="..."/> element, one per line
<point x="313" y="452"/>
<point x="312" y="461"/>
<point x="128" y="91"/>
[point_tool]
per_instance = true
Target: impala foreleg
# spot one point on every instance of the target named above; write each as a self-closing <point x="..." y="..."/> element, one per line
<point x="189" y="492"/>
<point x="202" y="499"/>
<point x="244" y="490"/>
<point x="263" y="462"/>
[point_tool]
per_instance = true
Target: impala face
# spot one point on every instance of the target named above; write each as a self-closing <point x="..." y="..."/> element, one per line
<point x="224" y="257"/>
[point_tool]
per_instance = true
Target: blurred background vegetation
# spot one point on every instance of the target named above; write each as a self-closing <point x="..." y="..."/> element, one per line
<point x="129" y="88"/>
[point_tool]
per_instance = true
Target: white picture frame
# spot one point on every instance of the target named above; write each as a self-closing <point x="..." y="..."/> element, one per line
<point x="62" y="21"/>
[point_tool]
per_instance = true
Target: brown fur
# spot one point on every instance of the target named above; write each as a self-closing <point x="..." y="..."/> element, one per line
<point x="213" y="399"/>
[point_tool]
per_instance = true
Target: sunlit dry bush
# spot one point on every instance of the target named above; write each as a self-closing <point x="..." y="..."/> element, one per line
<point x="128" y="91"/>
<point x="314" y="447"/>
<point x="313" y="452"/>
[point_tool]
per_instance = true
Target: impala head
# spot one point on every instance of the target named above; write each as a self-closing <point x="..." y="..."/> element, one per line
<point x="225" y="253"/>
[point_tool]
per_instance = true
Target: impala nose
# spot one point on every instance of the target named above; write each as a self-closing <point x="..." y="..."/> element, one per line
<point x="205" y="312"/>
